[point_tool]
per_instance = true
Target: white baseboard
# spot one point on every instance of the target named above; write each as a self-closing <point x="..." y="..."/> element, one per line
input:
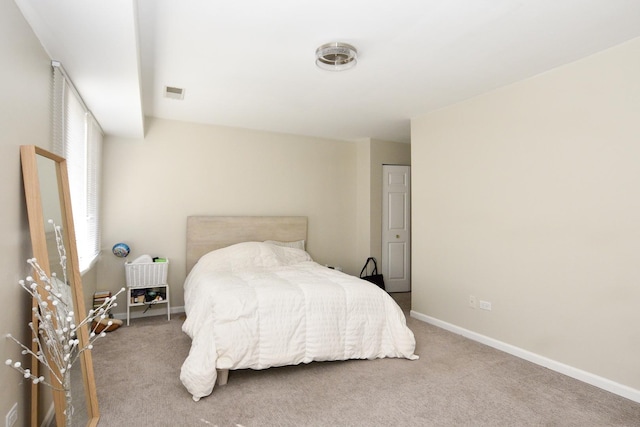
<point x="586" y="377"/>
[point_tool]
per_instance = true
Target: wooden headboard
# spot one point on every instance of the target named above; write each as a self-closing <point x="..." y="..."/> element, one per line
<point x="207" y="233"/>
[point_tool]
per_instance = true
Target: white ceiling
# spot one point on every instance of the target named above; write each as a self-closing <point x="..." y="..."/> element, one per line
<point x="250" y="63"/>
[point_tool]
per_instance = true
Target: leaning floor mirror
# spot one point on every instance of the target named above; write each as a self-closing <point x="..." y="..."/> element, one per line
<point x="48" y="201"/>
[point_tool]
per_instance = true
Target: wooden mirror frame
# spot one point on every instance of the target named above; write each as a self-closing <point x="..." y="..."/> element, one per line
<point x="37" y="223"/>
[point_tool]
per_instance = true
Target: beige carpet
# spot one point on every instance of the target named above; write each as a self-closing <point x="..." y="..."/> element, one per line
<point x="455" y="382"/>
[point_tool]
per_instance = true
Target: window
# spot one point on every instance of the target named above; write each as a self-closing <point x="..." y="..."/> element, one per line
<point x="77" y="137"/>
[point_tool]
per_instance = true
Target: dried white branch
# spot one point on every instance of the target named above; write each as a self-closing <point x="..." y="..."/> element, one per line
<point x="56" y="336"/>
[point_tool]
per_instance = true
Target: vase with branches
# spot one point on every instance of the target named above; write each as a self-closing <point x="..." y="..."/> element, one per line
<point x="54" y="332"/>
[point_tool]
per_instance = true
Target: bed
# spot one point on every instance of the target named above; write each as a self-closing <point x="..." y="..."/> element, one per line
<point x="255" y="299"/>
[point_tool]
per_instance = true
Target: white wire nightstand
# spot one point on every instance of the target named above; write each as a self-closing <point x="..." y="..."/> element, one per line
<point x="147" y="285"/>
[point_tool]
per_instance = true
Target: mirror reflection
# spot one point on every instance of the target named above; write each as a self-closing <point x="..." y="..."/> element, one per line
<point x="50" y="196"/>
<point x="51" y="211"/>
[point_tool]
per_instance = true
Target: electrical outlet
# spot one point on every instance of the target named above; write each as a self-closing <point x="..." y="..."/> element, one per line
<point x="472" y="301"/>
<point x="485" y="305"/>
<point x="12" y="416"/>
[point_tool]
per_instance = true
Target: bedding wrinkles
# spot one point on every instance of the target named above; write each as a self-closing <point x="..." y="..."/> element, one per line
<point x="254" y="305"/>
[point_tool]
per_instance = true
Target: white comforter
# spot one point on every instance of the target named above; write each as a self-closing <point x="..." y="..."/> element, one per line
<point x="256" y="305"/>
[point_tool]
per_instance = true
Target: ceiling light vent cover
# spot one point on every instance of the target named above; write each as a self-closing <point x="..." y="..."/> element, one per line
<point x="336" y="56"/>
<point x="173" y="92"/>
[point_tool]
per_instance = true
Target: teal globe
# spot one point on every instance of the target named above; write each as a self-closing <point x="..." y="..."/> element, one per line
<point x="121" y="250"/>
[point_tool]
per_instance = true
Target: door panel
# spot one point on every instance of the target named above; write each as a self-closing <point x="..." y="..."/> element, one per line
<point x="397" y="256"/>
<point x="397" y="209"/>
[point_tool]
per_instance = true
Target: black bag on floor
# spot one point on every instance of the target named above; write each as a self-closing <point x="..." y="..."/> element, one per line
<point x="374" y="277"/>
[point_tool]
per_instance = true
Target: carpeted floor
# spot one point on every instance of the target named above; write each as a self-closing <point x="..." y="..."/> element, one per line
<point x="455" y="382"/>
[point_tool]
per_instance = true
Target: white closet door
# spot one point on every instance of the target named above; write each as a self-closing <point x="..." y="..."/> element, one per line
<point x="396" y="228"/>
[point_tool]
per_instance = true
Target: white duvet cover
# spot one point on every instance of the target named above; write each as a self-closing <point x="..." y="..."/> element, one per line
<point x="256" y="305"/>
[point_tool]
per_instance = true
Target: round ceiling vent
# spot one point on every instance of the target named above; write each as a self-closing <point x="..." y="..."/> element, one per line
<point x="336" y="56"/>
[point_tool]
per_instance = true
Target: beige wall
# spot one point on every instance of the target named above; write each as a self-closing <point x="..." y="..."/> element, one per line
<point x="529" y="197"/>
<point x="182" y="169"/>
<point x="24" y="119"/>
<point x="363" y="195"/>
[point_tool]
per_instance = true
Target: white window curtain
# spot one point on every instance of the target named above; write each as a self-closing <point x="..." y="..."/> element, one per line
<point x="77" y="137"/>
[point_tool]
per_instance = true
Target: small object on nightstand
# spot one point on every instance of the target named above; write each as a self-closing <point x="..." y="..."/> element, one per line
<point x="150" y="295"/>
<point x="137" y="296"/>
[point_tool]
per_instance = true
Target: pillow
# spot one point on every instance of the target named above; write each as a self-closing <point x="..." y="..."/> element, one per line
<point x="248" y="255"/>
<point x="299" y="244"/>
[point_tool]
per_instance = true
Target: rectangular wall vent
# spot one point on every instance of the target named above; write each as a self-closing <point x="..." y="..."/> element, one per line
<point x="173" y="92"/>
